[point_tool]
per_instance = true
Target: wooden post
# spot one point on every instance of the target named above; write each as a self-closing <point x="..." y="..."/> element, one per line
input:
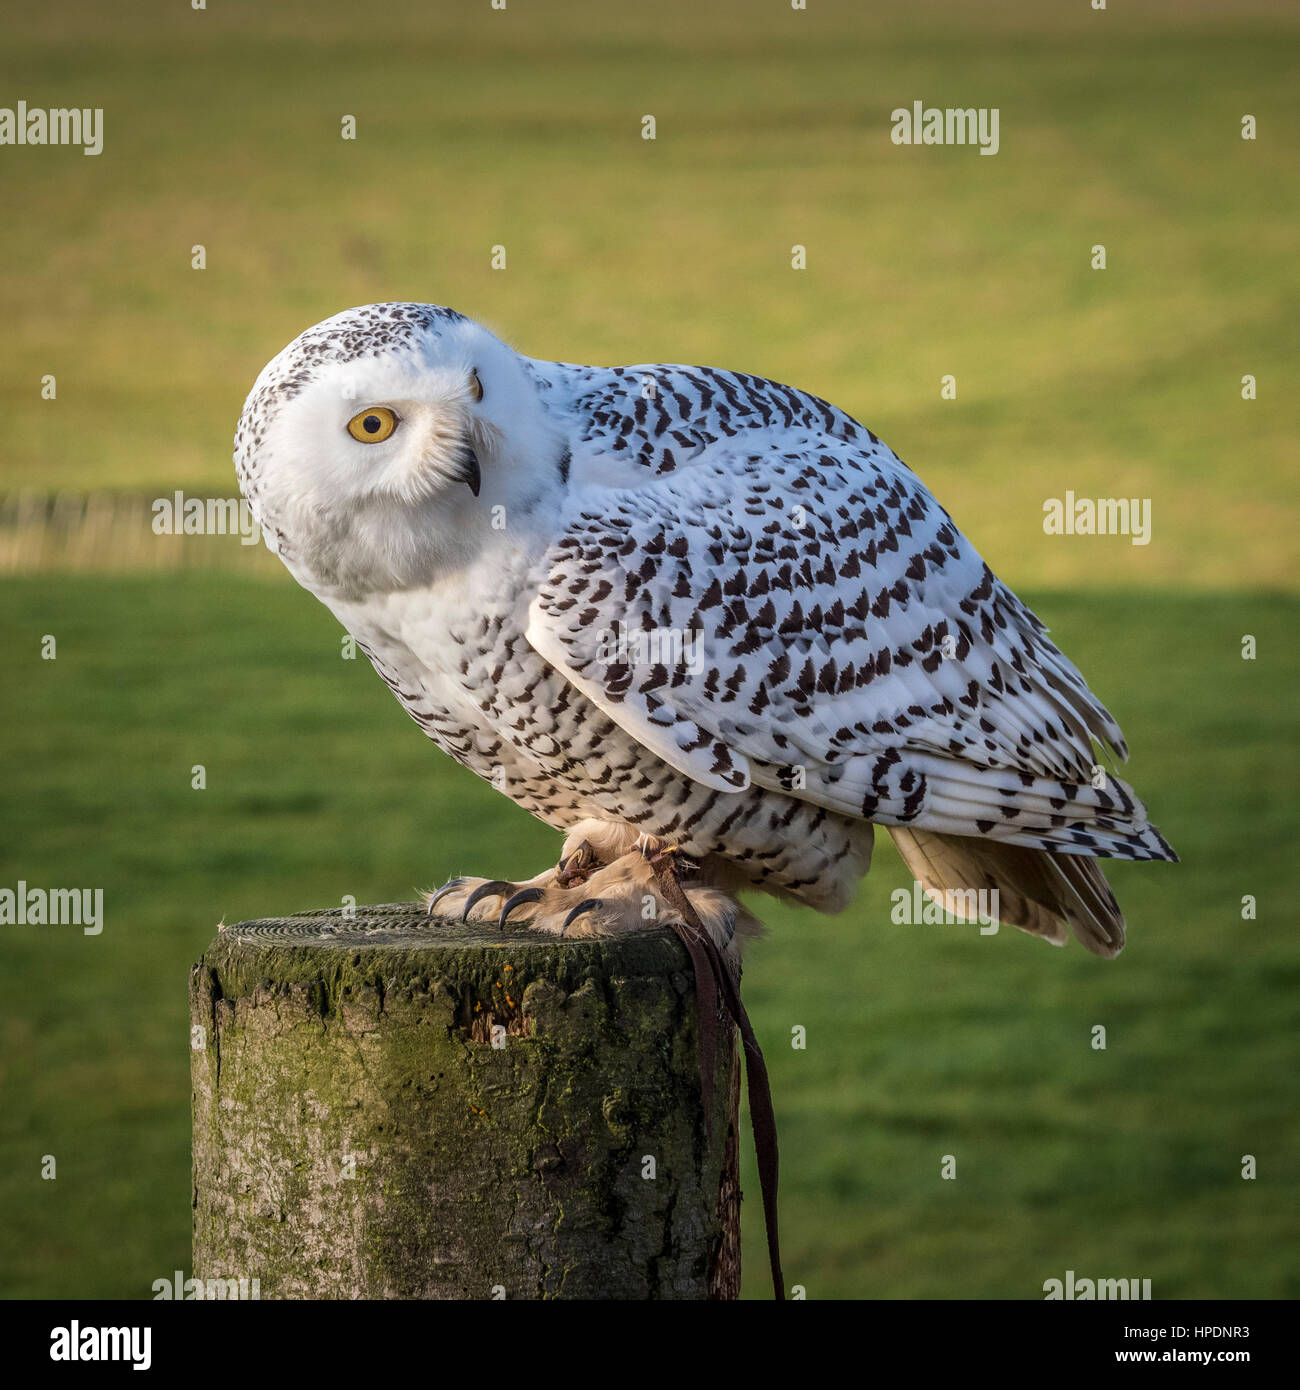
<point x="390" y="1108"/>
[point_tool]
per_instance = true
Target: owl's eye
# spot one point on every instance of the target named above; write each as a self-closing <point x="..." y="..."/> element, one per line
<point x="373" y="425"/>
<point x="475" y="385"/>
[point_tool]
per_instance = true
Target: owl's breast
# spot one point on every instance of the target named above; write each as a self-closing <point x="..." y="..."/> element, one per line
<point x="457" y="661"/>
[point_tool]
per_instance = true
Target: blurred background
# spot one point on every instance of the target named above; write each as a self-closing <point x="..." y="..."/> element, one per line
<point x="521" y="128"/>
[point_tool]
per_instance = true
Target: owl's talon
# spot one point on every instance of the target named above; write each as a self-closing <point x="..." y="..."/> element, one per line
<point x="586" y="905"/>
<point x="493" y="888"/>
<point x="610" y="885"/>
<point x="525" y="895"/>
<point x="449" y="887"/>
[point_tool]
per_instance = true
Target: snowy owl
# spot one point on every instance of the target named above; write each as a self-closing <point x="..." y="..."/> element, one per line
<point x="679" y="610"/>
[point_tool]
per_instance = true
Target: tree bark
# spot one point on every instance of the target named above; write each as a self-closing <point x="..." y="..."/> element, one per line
<point x="389" y="1108"/>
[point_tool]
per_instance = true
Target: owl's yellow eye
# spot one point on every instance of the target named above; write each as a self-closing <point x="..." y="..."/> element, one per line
<point x="475" y="385"/>
<point x="373" y="425"/>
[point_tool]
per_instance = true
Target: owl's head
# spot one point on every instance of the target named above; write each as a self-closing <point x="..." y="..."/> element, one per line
<point x="376" y="446"/>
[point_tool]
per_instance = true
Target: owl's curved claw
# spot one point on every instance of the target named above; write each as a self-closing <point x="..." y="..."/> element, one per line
<point x="524" y="895"/>
<point x="449" y="887"/>
<point x="577" y="867"/>
<point x="493" y="888"/>
<point x="586" y="905"/>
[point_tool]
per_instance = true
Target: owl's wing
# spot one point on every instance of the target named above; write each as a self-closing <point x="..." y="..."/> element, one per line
<point x="795" y="609"/>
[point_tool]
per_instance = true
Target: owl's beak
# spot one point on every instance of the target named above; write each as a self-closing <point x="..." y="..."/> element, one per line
<point x="469" y="471"/>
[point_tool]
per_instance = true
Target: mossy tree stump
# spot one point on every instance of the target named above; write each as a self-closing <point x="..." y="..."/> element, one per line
<point x="390" y="1108"/>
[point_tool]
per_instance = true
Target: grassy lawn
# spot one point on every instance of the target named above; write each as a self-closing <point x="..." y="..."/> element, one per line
<point x="522" y="128"/>
<point x="922" y="1041"/>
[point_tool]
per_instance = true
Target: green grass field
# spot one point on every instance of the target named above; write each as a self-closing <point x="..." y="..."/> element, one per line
<point x="522" y="128"/>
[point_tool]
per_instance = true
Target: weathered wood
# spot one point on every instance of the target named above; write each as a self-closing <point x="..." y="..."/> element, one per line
<point x="389" y="1108"/>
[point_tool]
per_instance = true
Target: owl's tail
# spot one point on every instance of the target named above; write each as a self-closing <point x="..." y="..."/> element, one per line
<point x="1040" y="891"/>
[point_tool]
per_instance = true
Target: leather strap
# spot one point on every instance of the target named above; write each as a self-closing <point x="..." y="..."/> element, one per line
<point x="713" y="979"/>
